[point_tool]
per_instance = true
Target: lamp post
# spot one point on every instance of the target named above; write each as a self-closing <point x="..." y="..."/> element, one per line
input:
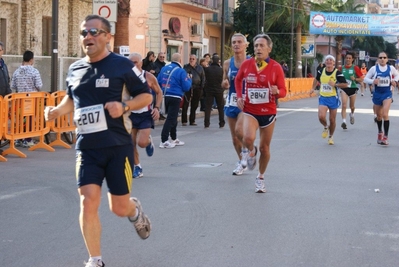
<point x="292" y="39"/>
<point x="54" y="47"/>
<point x="222" y="18"/>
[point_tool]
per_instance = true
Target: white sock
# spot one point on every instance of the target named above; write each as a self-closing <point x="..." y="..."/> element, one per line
<point x="261" y="176"/>
<point x="133" y="218"/>
<point x="95" y="259"/>
<point x="137" y="165"/>
<point x="344" y="120"/>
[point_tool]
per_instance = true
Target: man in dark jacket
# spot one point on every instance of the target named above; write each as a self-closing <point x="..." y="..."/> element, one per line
<point x="193" y="96"/>
<point x="4" y="75"/>
<point x="159" y="63"/>
<point x="213" y="90"/>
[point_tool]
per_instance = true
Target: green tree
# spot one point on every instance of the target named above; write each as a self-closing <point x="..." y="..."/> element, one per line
<point x="339" y="6"/>
<point x="245" y="23"/>
<point x="281" y="15"/>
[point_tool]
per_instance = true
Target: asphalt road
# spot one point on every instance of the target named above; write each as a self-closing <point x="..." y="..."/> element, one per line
<point x="321" y="207"/>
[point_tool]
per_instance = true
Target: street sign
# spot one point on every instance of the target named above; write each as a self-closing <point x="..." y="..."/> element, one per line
<point x="106" y="8"/>
<point x="308" y="46"/>
<point x="367" y="58"/>
<point x="362" y="54"/>
<point x="124" y="50"/>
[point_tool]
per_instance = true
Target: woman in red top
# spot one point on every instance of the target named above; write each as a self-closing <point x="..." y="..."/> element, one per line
<point x="264" y="82"/>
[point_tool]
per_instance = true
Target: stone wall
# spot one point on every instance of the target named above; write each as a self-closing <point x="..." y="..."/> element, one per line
<point x="24" y="20"/>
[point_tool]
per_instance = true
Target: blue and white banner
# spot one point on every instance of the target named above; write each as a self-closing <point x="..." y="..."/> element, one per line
<point x="353" y="24"/>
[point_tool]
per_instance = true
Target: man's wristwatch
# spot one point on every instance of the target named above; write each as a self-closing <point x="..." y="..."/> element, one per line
<point x="125" y="107"/>
<point x="156" y="108"/>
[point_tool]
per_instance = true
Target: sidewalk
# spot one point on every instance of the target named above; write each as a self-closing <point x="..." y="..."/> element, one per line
<point x="199" y="114"/>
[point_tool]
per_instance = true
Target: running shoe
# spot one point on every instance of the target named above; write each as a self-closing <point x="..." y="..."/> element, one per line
<point x="91" y="263"/>
<point x="380" y="136"/>
<point x="17" y="143"/>
<point x="324" y="134"/>
<point x="239" y="170"/>
<point x="150" y="148"/>
<point x="28" y="144"/>
<point x="244" y="157"/>
<point x="138" y="172"/>
<point x="384" y="141"/>
<point x="343" y="125"/>
<point x="260" y="185"/>
<point x="330" y="141"/>
<point x="167" y="144"/>
<point x="177" y="142"/>
<point x="142" y="223"/>
<point x="352" y="119"/>
<point x="251" y="161"/>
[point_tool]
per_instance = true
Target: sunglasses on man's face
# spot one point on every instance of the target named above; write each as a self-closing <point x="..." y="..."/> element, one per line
<point x="93" y="32"/>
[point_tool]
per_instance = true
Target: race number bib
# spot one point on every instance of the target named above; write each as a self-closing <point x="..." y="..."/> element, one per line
<point x="384" y="81"/>
<point x="90" y="119"/>
<point x="258" y="95"/>
<point x="326" y="88"/>
<point x="233" y="99"/>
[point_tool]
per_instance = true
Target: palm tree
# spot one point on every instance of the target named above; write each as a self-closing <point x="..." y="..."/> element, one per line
<point x="282" y="13"/>
<point x="122" y="25"/>
<point x="339" y="6"/>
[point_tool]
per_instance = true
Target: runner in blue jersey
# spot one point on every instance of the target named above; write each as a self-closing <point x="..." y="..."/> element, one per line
<point x="383" y="77"/>
<point x="233" y="113"/>
<point x="99" y="90"/>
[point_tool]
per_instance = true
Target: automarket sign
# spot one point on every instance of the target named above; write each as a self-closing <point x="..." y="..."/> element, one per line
<point x="353" y="24"/>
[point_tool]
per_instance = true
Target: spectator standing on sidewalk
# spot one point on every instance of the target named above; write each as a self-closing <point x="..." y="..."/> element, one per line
<point x="192" y="97"/>
<point x="174" y="81"/>
<point x="149" y="64"/>
<point x="159" y="63"/>
<point x="143" y="119"/>
<point x="24" y="80"/>
<point x="4" y="75"/>
<point x="100" y="86"/>
<point x="214" y="91"/>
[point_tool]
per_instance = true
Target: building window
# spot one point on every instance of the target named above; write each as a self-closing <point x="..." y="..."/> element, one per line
<point x="3" y="32"/>
<point x="170" y="50"/>
<point x="46" y="36"/>
<point x="195" y="51"/>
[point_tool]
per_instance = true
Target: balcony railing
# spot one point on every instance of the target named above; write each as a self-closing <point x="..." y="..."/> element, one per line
<point x="199" y="6"/>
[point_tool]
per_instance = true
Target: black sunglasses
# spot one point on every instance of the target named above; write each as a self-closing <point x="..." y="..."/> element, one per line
<point x="93" y="32"/>
<point x="382" y="57"/>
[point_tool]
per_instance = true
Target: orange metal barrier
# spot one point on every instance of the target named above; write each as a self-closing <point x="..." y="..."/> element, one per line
<point x="297" y="88"/>
<point x="2" y="124"/>
<point x="63" y="123"/>
<point x="26" y="120"/>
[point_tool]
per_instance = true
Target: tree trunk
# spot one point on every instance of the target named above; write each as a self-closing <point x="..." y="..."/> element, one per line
<point x="121" y="36"/>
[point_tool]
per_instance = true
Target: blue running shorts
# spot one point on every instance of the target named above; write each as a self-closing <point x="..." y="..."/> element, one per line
<point x="232" y="112"/>
<point x="142" y="120"/>
<point x="331" y="102"/>
<point x="378" y="97"/>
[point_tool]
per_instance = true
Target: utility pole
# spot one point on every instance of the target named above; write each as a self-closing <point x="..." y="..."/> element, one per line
<point x="292" y="39"/>
<point x="222" y="18"/>
<point x="54" y="47"/>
